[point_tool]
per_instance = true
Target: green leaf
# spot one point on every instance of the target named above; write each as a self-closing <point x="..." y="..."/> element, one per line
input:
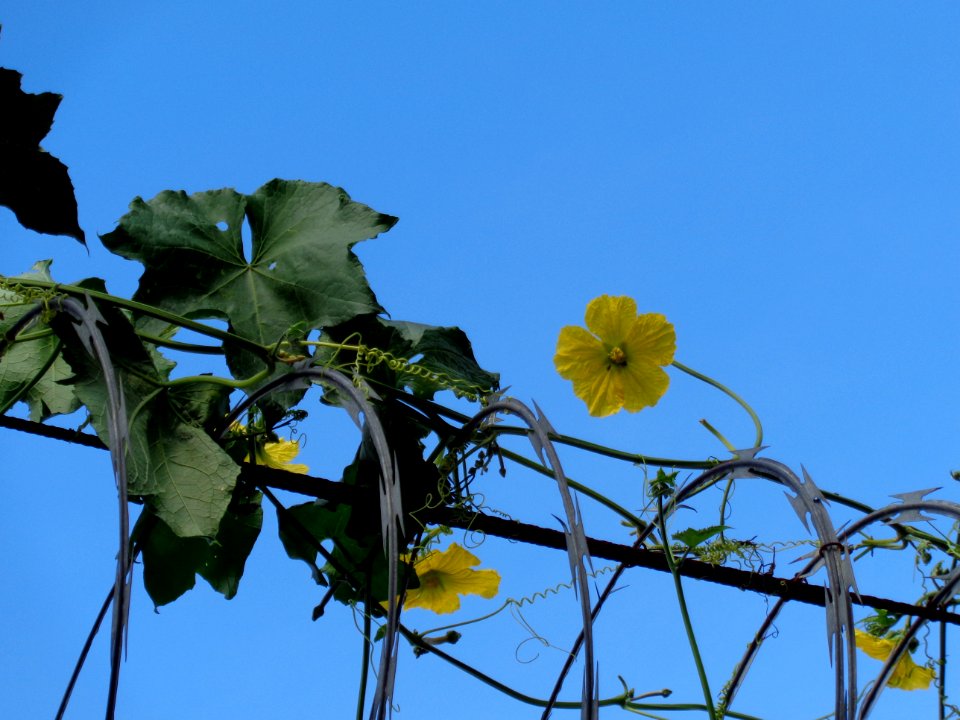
<point x="191" y="475"/>
<point x="447" y="354"/>
<point x="33" y="183"/>
<point x="171" y="562"/>
<point x="302" y="273"/>
<point x="362" y="558"/>
<point x="172" y="461"/>
<point x="227" y="555"/>
<point x="424" y="358"/>
<point x="692" y="537"/>
<point x="321" y="521"/>
<point x="24" y="361"/>
<point x="200" y="404"/>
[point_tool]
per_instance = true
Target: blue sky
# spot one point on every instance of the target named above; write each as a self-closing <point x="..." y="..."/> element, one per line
<point x="780" y="180"/>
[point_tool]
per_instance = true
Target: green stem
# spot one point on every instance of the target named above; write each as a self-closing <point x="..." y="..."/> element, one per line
<point x="453" y="626"/>
<point x="181" y="346"/>
<point x="583" y="489"/>
<point x="225" y="382"/>
<point x="149" y="310"/>
<point x="718" y="435"/>
<point x="364" y="670"/>
<point x="723" y="503"/>
<point x="635" y="458"/>
<point x="36" y="335"/>
<point x="417" y="641"/>
<point x="727" y="391"/>
<point x="674" y="707"/>
<point x="681" y="601"/>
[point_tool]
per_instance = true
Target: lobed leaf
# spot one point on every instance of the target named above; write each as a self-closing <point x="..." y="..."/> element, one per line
<point x="301" y="272"/>
<point x="33" y="183"/>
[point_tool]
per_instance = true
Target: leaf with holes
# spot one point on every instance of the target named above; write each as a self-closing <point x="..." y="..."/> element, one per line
<point x="301" y="272"/>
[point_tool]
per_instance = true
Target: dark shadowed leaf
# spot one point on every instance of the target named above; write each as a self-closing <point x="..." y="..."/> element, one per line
<point x="33" y="183"/>
<point x="171" y="562"/>
<point x="361" y="558"/>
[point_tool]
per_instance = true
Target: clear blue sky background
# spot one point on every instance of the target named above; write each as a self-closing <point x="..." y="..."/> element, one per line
<point x="779" y="179"/>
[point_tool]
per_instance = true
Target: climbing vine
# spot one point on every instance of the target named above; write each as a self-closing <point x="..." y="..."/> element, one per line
<point x="202" y="455"/>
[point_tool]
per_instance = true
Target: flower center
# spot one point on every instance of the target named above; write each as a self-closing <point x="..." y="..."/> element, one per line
<point x="617" y="356"/>
<point x="430" y="580"/>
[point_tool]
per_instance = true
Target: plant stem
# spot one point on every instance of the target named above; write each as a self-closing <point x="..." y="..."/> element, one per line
<point x="364" y="670"/>
<point x="681" y="601"/>
<point x="226" y="382"/>
<point x="151" y="311"/>
<point x="580" y="488"/>
<point x="417" y="641"/>
<point x="727" y="391"/>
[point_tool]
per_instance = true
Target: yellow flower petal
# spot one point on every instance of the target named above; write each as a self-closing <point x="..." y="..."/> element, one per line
<point x="877" y="648"/>
<point x="279" y="455"/>
<point x="644" y="383"/>
<point x="611" y="318"/>
<point x="618" y="365"/>
<point x="275" y="454"/>
<point x="906" y="675"/>
<point x="446" y="575"/>
<point x="578" y="352"/>
<point x="652" y="337"/>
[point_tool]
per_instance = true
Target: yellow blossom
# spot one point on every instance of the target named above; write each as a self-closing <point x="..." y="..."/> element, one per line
<point x="280" y="454"/>
<point x="907" y="675"/>
<point x="445" y="576"/>
<point x="617" y="361"/>
<point x="277" y="455"/>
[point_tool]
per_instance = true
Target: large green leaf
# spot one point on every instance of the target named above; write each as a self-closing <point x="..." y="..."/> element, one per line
<point x="301" y="274"/>
<point x="172" y="462"/>
<point x="24" y="361"/>
<point x="33" y="183"/>
<point x="193" y="477"/>
<point x="171" y="562"/>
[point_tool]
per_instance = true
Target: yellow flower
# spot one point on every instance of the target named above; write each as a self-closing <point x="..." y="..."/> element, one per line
<point x="279" y="455"/>
<point x="275" y="454"/>
<point x="445" y="576"/>
<point x="617" y="364"/>
<point x="907" y="675"/>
